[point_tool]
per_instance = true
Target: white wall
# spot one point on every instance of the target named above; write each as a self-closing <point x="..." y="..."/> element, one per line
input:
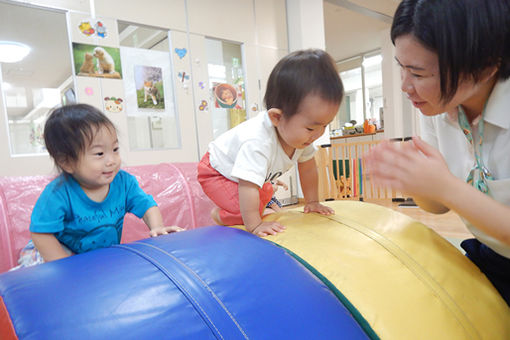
<point x="157" y="13"/>
<point x="349" y="33"/>
<point x="306" y="24"/>
<point x="400" y="117"/>
<point x="305" y="20"/>
<point x="260" y="25"/>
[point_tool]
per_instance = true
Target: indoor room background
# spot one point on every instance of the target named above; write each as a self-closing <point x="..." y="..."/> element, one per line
<point x="187" y="50"/>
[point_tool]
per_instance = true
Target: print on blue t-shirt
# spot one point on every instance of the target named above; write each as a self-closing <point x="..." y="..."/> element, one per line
<point x="90" y="238"/>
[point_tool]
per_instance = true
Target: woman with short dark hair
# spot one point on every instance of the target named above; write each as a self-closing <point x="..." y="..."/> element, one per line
<point x="455" y="64"/>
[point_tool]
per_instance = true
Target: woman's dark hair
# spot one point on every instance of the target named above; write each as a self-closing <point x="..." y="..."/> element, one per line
<point x="70" y="129"/>
<point x="468" y="36"/>
<point x="299" y="74"/>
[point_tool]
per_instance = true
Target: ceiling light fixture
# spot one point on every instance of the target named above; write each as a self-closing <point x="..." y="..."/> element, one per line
<point x="6" y="86"/>
<point x="12" y="51"/>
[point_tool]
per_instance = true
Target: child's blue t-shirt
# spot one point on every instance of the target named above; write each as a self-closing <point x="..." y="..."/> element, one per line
<point x="82" y="224"/>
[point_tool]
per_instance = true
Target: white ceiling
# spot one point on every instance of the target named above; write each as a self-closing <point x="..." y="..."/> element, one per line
<point x="49" y="62"/>
<point x="42" y="30"/>
<point x="386" y="7"/>
<point x="353" y="27"/>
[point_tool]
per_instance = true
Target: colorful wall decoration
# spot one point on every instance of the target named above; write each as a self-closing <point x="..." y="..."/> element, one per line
<point x="97" y="61"/>
<point x="149" y="87"/>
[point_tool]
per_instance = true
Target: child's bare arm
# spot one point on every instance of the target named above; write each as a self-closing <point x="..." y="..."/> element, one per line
<point x="249" y="201"/>
<point x="154" y="221"/>
<point x="281" y="184"/>
<point x="48" y="246"/>
<point x="309" y="182"/>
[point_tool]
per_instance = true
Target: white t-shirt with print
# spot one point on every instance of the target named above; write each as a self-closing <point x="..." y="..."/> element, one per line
<point x="252" y="152"/>
<point x="444" y="133"/>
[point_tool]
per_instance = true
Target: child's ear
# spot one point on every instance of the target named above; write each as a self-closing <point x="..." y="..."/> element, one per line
<point x="67" y="166"/>
<point x="489" y="72"/>
<point x="275" y="115"/>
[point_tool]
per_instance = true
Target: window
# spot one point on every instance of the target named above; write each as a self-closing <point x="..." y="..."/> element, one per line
<point x="40" y="81"/>
<point x="148" y="83"/>
<point x="362" y="80"/>
<point x="373" y="86"/>
<point x="226" y="83"/>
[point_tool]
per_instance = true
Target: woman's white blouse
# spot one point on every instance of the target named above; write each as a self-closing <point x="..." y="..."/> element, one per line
<point x="443" y="132"/>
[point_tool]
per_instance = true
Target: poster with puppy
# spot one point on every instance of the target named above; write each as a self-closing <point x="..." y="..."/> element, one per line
<point x="97" y="61"/>
<point x="149" y="87"/>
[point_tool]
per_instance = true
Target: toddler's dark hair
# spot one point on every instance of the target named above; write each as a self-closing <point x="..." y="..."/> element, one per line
<point x="299" y="74"/>
<point x="70" y="129"/>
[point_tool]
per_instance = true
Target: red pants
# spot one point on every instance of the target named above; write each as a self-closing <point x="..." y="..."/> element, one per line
<point x="225" y="193"/>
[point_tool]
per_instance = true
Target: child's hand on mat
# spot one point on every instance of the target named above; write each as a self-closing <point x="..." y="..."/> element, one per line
<point x="268" y="228"/>
<point x="319" y="208"/>
<point x="165" y="230"/>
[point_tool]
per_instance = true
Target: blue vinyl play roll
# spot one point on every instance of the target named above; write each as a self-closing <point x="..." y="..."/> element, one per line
<point x="207" y="283"/>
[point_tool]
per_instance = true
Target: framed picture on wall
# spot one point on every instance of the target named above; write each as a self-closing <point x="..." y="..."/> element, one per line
<point x="97" y="61"/>
<point x="149" y="87"/>
<point x="226" y="96"/>
<point x="152" y="118"/>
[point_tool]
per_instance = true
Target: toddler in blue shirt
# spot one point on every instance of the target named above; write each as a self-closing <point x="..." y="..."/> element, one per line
<point x="83" y="208"/>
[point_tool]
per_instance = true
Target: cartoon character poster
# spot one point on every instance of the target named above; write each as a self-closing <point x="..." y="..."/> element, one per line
<point x="87" y="29"/>
<point x="113" y="104"/>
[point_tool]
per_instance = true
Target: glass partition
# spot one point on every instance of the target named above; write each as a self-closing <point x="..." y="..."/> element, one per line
<point x="226" y="83"/>
<point x="362" y="80"/>
<point x="352" y="106"/>
<point x="150" y="101"/>
<point x="34" y="84"/>
<point x="373" y="86"/>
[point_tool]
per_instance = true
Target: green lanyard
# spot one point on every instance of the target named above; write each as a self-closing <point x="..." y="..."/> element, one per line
<point x="479" y="174"/>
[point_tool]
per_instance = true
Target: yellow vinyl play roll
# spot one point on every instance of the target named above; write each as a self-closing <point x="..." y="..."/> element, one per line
<point x="403" y="278"/>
